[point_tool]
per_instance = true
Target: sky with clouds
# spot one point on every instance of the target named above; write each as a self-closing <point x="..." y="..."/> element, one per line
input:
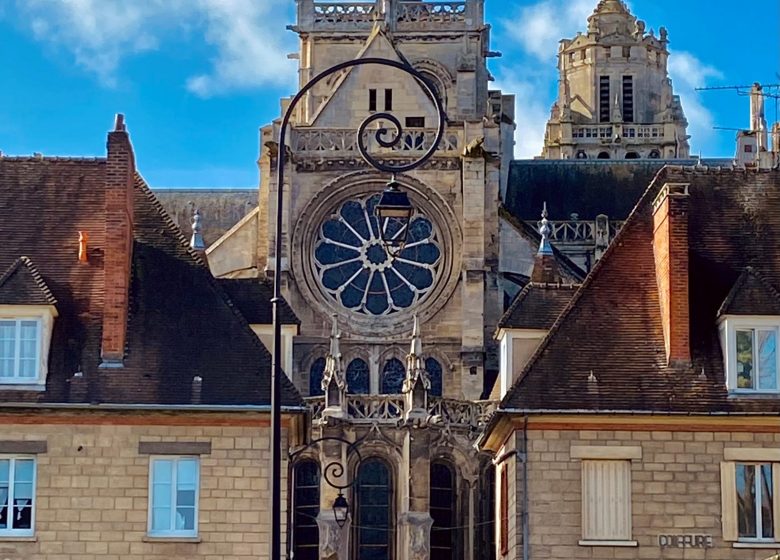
<point x="196" y="78"/>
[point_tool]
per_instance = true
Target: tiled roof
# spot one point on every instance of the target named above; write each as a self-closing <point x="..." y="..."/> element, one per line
<point x="22" y="284"/>
<point x="181" y="323"/>
<point x="253" y="297"/>
<point x="751" y="294"/>
<point x="612" y="328"/>
<point x="537" y="306"/>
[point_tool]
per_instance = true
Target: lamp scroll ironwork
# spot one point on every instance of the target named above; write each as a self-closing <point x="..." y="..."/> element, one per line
<point x="391" y="235"/>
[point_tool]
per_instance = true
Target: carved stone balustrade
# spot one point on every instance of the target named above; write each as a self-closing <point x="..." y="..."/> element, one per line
<point x="579" y="231"/>
<point x="389" y="409"/>
<point x="343" y="142"/>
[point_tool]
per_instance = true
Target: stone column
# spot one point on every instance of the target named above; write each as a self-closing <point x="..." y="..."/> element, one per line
<point x="415" y="523"/>
<point x="334" y="540"/>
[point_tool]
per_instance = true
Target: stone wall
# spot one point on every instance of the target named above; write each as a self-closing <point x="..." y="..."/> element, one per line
<point x="676" y="490"/>
<point x="93" y="487"/>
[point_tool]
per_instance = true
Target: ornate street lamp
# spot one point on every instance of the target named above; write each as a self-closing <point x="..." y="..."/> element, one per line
<point x="340" y="510"/>
<point x="394" y="213"/>
<point x="394" y="228"/>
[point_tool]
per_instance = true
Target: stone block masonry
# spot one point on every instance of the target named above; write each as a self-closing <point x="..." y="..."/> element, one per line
<point x="93" y="486"/>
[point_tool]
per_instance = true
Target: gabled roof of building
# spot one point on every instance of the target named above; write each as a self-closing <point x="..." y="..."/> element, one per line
<point x="181" y="323"/>
<point x="537" y="306"/>
<point x="606" y="351"/>
<point x="587" y="188"/>
<point x="252" y="297"/>
<point x="22" y="284"/>
<point x="751" y="294"/>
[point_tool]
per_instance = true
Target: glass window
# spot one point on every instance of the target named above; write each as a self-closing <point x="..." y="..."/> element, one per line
<point x="355" y="270"/>
<point x="17" y="496"/>
<point x="19" y="350"/>
<point x="755" y="501"/>
<point x="374" y="532"/>
<point x="393" y="377"/>
<point x="173" y="496"/>
<point x="306" y="499"/>
<point x="316" y="371"/>
<point x="357" y="377"/>
<point x="433" y="367"/>
<point x="443" y="534"/>
<point x="756" y="359"/>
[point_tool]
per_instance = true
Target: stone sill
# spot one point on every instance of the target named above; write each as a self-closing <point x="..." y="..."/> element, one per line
<point x="608" y="543"/>
<point x="153" y="539"/>
<point x="12" y="538"/>
<point x="768" y="544"/>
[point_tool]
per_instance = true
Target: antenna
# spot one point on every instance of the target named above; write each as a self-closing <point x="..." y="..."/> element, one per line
<point x="745" y="91"/>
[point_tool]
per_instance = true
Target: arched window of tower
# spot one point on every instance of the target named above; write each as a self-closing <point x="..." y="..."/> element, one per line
<point x="393" y="377"/>
<point x="444" y="538"/>
<point x="603" y="155"/>
<point x="654" y="154"/>
<point x="357" y="377"/>
<point x="632" y="155"/>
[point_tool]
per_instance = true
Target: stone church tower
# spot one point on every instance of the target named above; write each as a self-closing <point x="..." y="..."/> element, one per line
<point x="359" y="309"/>
<point x="615" y="98"/>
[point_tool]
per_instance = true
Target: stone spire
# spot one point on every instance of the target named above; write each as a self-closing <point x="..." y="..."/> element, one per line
<point x="545" y="269"/>
<point x="334" y="383"/>
<point x="417" y="384"/>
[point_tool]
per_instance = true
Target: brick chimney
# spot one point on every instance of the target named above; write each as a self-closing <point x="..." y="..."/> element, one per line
<point x="670" y="248"/>
<point x="120" y="172"/>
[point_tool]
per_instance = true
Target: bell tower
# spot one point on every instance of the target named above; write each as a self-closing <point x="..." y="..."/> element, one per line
<point x="615" y="97"/>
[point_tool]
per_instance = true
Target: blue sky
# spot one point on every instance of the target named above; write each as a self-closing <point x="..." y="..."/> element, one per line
<point x="196" y="78"/>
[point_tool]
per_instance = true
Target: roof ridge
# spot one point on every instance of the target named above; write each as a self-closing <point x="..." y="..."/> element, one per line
<point x="644" y="200"/>
<point x="30" y="267"/>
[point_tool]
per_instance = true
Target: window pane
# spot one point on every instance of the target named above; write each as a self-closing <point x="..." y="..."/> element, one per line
<point x="433" y="367"/>
<point x="357" y="377"/>
<point x="185" y="519"/>
<point x="162" y="471"/>
<point x="187" y="473"/>
<point x="4" y="471"/>
<point x="373" y="511"/>
<point x="393" y="377"/>
<point x="315" y="377"/>
<point x="746" y="500"/>
<point x="24" y="470"/>
<point x="442" y="507"/>
<point x="767" y="502"/>
<point x="7" y="348"/>
<point x="745" y="359"/>
<point x="306" y="499"/>
<point x="161" y="519"/>
<point x="767" y="360"/>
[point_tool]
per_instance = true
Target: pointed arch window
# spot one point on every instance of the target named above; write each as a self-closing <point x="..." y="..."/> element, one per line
<point x="357" y="377"/>
<point x="433" y="367"/>
<point x="393" y="377"/>
<point x="306" y="503"/>
<point x="316" y="371"/>
<point x="375" y="532"/>
<point x="443" y="534"/>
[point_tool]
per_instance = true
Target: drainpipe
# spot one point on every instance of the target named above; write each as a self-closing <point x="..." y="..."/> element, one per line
<point x="525" y="516"/>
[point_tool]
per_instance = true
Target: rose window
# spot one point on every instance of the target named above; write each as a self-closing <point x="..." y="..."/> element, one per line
<point x="356" y="271"/>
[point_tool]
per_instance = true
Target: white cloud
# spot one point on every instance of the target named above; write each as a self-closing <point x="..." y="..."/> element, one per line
<point x="248" y="36"/>
<point x="531" y="111"/>
<point x="688" y="73"/>
<point x="539" y="27"/>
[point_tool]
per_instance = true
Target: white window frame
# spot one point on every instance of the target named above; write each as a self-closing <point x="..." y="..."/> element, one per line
<point x="173" y="533"/>
<point x="758" y="499"/>
<point x="11" y="471"/>
<point x="16" y="379"/>
<point x="728" y="328"/>
<point x="729" y="507"/>
<point x="591" y="455"/>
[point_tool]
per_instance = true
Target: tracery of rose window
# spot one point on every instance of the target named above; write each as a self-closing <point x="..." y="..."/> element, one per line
<point x="356" y="271"/>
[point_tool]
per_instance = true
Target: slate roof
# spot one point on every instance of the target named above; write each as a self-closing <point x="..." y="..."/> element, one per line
<point x="612" y="327"/>
<point x="537" y="306"/>
<point x="585" y="187"/>
<point x="22" y="284"/>
<point x="252" y="297"/>
<point x="181" y="323"/>
<point x="751" y="294"/>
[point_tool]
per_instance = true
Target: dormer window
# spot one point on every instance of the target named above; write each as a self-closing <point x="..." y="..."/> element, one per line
<point x="750" y="354"/>
<point x="27" y="312"/>
<point x="20" y="347"/>
<point x="755" y="359"/>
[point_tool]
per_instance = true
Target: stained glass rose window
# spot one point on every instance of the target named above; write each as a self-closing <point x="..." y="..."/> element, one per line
<point x="355" y="270"/>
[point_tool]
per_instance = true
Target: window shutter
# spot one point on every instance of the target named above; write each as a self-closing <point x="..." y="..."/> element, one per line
<point x="728" y="500"/>
<point x="606" y="500"/>
<point x="776" y="494"/>
<point x="504" y="512"/>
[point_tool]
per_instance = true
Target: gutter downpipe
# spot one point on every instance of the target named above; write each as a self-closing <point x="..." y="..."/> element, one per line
<point x="525" y="516"/>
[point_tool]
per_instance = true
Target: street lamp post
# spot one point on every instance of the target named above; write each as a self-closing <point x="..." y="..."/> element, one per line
<point x="393" y="231"/>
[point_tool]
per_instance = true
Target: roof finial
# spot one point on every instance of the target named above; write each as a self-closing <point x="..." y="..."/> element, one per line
<point x="545" y="248"/>
<point x="196" y="241"/>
